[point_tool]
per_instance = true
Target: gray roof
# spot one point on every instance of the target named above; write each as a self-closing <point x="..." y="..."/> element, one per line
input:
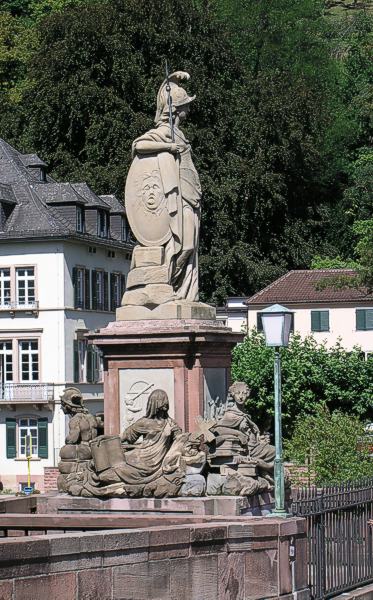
<point x="14" y="167"/>
<point x="38" y="206"/>
<point x="89" y="196"/>
<point x="7" y="194"/>
<point x="32" y="160"/>
<point x="58" y="193"/>
<point x="115" y="205"/>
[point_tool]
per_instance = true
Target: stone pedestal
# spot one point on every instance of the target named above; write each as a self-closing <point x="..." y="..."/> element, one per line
<point x="189" y="359"/>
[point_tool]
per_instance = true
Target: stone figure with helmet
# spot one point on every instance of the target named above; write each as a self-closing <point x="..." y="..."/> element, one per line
<point x="163" y="205"/>
<point x="83" y="428"/>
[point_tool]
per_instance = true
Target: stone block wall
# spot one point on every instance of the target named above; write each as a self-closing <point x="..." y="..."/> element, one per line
<point x="243" y="559"/>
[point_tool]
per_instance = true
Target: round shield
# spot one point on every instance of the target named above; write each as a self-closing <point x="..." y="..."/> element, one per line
<point x="146" y="203"/>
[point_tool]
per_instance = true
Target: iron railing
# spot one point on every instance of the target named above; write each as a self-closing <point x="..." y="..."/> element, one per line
<point x="26" y="392"/>
<point x="339" y="536"/>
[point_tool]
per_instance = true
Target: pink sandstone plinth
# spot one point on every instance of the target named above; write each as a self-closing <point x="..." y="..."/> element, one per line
<point x="190" y="359"/>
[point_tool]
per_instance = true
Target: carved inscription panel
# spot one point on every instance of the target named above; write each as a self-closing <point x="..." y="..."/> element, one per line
<point x="135" y="387"/>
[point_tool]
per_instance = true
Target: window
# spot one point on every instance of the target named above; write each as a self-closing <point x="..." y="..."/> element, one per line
<point x="25" y="285"/>
<point x="81" y="285"/>
<point x="117" y="283"/>
<point x="17" y="432"/>
<point x="125" y="229"/>
<point x="88" y="367"/>
<point x="100" y="291"/>
<point x="319" y="320"/>
<point x="79" y="288"/>
<point x="102" y="223"/>
<point x="29" y="360"/>
<point x="80" y="219"/>
<point x="28" y="427"/>
<point x="6" y="361"/>
<point x="259" y="324"/>
<point x="80" y="360"/>
<point x="4" y="287"/>
<point x="364" y="319"/>
<point x="94" y="364"/>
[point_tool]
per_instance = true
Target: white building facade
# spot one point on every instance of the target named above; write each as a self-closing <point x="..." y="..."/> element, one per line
<point x="64" y="257"/>
<point x="328" y="313"/>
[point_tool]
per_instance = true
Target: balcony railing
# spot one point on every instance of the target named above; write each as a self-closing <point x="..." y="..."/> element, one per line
<point x="26" y="392"/>
<point x="19" y="306"/>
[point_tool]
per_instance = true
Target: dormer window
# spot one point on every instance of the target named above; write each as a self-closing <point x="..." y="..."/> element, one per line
<point x="80" y="219"/>
<point x="102" y="223"/>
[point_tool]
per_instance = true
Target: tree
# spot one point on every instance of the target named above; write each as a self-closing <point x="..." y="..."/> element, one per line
<point x="311" y="374"/>
<point x="333" y="446"/>
<point x="257" y="127"/>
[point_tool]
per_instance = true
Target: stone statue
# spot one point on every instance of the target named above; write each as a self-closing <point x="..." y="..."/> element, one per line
<point x="241" y="460"/>
<point x="76" y="454"/>
<point x="163" y="199"/>
<point x="152" y="458"/>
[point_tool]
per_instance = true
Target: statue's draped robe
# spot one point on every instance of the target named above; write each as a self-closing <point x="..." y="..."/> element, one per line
<point x="144" y="463"/>
<point x="235" y="420"/>
<point x="182" y="189"/>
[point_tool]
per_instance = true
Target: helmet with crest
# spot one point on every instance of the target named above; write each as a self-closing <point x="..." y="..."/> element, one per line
<point x="179" y="96"/>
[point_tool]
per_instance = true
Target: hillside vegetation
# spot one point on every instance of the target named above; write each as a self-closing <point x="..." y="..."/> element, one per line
<point x="281" y="128"/>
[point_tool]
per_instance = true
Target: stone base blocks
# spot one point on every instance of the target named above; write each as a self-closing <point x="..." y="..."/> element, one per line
<point x="190" y="359"/>
<point x="241" y="559"/>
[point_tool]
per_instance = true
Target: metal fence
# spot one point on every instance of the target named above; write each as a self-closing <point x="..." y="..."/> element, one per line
<point x="339" y="536"/>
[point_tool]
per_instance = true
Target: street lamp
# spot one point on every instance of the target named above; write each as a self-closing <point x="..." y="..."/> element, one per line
<point x="276" y="320"/>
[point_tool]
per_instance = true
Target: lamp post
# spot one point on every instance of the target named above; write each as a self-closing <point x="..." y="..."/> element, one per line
<point x="276" y="320"/>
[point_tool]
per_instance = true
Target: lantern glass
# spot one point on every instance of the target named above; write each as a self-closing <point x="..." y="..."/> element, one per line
<point x="276" y="325"/>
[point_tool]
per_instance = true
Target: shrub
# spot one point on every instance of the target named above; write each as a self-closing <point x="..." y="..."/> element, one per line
<point x="331" y="445"/>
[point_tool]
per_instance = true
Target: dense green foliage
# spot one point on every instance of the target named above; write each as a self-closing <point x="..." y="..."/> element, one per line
<point x="332" y="445"/>
<point x="281" y="128"/>
<point x="312" y="375"/>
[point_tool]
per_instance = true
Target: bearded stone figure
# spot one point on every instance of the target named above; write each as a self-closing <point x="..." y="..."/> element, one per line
<point x="163" y="204"/>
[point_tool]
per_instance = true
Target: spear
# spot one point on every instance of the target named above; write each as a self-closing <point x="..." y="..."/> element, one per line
<point x="169" y="102"/>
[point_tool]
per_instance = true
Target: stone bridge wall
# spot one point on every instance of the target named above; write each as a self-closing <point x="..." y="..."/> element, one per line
<point x="250" y="559"/>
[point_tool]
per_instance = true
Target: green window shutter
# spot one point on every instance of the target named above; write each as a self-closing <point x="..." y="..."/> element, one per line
<point x="112" y="299"/>
<point x="11" y="438"/>
<point x="43" y="437"/>
<point x="90" y="364"/>
<point x="360" y="319"/>
<point x="315" y="320"/>
<point x="106" y="291"/>
<point x="319" y="320"/>
<point x="369" y="318"/>
<point x="94" y="289"/>
<point x="76" y="362"/>
<point x="87" y="295"/>
<point x="259" y="323"/>
<point x="75" y="286"/>
<point x="122" y="285"/>
<point x="324" y="320"/>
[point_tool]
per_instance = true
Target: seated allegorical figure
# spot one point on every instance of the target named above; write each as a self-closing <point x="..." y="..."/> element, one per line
<point x="245" y="457"/>
<point x="76" y="453"/>
<point x="234" y="430"/>
<point x="143" y="462"/>
<point x="151" y="458"/>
